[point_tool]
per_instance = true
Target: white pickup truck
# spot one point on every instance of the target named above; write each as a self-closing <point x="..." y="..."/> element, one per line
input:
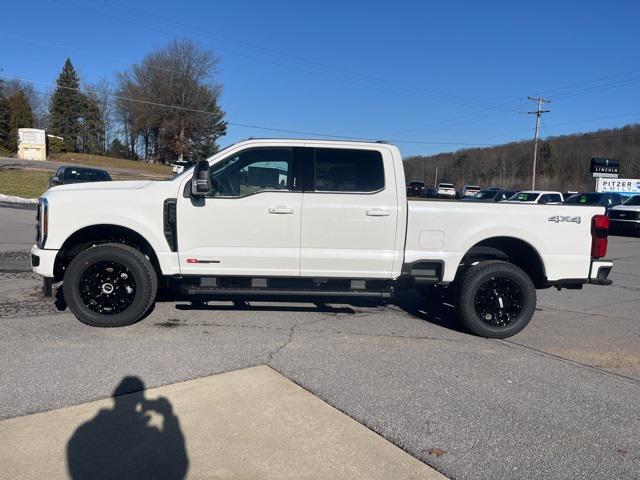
<point x="308" y="218"/>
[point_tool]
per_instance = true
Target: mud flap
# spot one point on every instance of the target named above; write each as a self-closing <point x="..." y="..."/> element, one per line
<point x="47" y="287"/>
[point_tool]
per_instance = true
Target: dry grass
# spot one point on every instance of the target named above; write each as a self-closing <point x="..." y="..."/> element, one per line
<point x="109" y="162"/>
<point x="26" y="183"/>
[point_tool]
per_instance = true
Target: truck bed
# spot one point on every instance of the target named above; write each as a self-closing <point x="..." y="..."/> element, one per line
<point x="446" y="230"/>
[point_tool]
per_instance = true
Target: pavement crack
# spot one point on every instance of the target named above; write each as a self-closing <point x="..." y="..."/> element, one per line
<point x="593" y="368"/>
<point x="289" y="338"/>
<point x="581" y="312"/>
<point x="385" y="335"/>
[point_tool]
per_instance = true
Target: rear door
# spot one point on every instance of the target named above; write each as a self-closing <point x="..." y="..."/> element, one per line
<point x="349" y="213"/>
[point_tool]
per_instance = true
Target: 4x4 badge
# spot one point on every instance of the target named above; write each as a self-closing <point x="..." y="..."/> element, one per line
<point x="560" y="218"/>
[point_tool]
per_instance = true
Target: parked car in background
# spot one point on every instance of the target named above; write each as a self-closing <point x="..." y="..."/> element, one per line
<point x="606" y="200"/>
<point x="468" y="191"/>
<point x="416" y="189"/>
<point x="66" y="175"/>
<point x="446" y="190"/>
<point x="625" y="218"/>
<point x="537" y="196"/>
<point x="491" y="195"/>
<point x="179" y="166"/>
<point x="431" y="192"/>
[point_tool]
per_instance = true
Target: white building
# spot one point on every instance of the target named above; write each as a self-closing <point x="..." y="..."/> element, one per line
<point x="32" y="144"/>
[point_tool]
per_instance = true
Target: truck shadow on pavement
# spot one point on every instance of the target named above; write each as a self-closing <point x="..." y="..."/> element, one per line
<point x="243" y="305"/>
<point x="433" y="312"/>
<point x="123" y="442"/>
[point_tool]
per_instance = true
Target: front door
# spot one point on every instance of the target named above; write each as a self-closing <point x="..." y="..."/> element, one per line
<point x="249" y="223"/>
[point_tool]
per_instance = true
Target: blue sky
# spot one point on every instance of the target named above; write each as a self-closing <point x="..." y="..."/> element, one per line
<point x="442" y="73"/>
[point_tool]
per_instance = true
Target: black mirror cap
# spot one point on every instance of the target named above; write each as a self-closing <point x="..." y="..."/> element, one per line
<point x="201" y="180"/>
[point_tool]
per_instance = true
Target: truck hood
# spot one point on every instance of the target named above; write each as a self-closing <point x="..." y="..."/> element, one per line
<point x="93" y="186"/>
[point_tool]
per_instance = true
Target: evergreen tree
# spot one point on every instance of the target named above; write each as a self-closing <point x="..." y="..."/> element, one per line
<point x="4" y="119"/>
<point x="20" y="116"/>
<point x="66" y="107"/>
<point x="92" y="125"/>
<point x="118" y="149"/>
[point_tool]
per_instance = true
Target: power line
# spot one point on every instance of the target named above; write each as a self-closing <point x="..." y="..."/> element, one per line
<point x="244" y="125"/>
<point x="321" y="134"/>
<point x="550" y="125"/>
<point x="298" y="59"/>
<point x="369" y="82"/>
<point x="595" y="80"/>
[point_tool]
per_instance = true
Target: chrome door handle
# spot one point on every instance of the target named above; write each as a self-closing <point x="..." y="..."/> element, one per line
<point x="378" y="212"/>
<point x="280" y="210"/>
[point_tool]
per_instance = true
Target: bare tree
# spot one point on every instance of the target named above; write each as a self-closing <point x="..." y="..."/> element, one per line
<point x="168" y="103"/>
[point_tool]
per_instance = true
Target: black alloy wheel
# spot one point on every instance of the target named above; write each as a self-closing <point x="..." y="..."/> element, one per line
<point x="499" y="301"/>
<point x="110" y="285"/>
<point x="495" y="299"/>
<point x="107" y="287"/>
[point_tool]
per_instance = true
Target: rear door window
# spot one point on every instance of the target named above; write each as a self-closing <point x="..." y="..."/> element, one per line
<point x="348" y="170"/>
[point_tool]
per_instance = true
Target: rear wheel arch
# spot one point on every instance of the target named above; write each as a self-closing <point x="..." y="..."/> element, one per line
<point x="84" y="238"/>
<point x="510" y="249"/>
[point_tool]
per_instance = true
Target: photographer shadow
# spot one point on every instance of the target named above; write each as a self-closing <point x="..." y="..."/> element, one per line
<point x="137" y="438"/>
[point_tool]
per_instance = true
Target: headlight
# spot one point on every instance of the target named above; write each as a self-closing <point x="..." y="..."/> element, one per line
<point x="42" y="222"/>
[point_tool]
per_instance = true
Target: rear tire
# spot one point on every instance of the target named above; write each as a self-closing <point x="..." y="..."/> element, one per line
<point x="110" y="285"/>
<point x="496" y="299"/>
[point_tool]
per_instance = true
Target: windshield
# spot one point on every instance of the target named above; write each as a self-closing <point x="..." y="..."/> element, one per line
<point x="635" y="200"/>
<point x="585" y="198"/>
<point x="486" y="194"/>
<point x="524" y="197"/>
<point x="86" y="175"/>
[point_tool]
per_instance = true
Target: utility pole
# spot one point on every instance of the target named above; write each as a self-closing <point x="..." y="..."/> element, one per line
<point x="435" y="180"/>
<point x="538" y="113"/>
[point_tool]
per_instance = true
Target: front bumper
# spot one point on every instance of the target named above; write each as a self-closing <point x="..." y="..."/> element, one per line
<point x="43" y="261"/>
<point x="600" y="270"/>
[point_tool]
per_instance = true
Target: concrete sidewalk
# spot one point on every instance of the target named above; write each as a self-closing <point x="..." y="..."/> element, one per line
<point x="246" y="424"/>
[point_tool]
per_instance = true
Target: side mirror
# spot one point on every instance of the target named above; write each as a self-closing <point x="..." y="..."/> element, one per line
<point x="201" y="180"/>
<point x="54" y="180"/>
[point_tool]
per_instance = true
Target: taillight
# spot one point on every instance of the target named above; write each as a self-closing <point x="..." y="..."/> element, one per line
<point x="599" y="234"/>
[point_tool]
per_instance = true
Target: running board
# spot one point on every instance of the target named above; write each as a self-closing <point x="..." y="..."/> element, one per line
<point x="268" y="292"/>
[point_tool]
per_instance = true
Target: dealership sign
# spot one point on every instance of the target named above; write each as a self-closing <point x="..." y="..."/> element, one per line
<point x="604" y="167"/>
<point x="619" y="185"/>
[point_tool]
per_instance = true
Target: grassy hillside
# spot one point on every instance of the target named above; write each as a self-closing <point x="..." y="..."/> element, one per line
<point x="26" y="183"/>
<point x="563" y="162"/>
<point x="110" y="162"/>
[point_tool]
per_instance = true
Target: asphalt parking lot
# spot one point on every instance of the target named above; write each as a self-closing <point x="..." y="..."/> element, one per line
<point x="559" y="400"/>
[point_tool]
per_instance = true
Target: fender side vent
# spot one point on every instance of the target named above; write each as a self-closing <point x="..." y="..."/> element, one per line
<point x="170" y="223"/>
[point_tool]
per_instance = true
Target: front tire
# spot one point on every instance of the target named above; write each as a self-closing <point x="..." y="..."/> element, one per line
<point x="110" y="285"/>
<point x="496" y="299"/>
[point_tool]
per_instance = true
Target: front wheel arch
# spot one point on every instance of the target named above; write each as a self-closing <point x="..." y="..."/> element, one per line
<point x="100" y="234"/>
